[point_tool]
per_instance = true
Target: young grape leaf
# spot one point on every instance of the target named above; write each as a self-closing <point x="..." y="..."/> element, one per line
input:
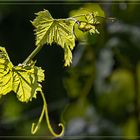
<point x="87" y="22"/>
<point x="60" y="31"/>
<point x="92" y="22"/>
<point x="24" y="80"/>
<point x="85" y="26"/>
<point x="5" y="72"/>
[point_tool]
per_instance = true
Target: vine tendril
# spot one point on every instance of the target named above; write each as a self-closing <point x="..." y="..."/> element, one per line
<point x="35" y="126"/>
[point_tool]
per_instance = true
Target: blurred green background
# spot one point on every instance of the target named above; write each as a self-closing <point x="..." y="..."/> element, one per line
<point x="99" y="94"/>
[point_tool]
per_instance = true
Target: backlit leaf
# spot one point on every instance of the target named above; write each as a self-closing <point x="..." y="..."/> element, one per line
<point x="60" y="31"/>
<point x="90" y="11"/>
<point x="67" y="56"/>
<point x="85" y="26"/>
<point x="26" y="81"/>
<point x="5" y="72"/>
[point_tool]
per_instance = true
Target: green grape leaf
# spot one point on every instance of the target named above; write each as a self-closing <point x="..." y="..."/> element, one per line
<point x="60" y="31"/>
<point x="90" y="23"/>
<point x="5" y="72"/>
<point x="90" y="18"/>
<point x="87" y="22"/>
<point x="67" y="56"/>
<point x="85" y="26"/>
<point x="26" y="81"/>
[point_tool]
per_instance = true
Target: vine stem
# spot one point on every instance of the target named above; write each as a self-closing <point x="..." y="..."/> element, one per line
<point x="45" y="112"/>
<point x="32" y="55"/>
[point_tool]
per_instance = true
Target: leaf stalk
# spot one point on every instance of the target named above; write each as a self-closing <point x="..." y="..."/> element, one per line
<point x="32" y="55"/>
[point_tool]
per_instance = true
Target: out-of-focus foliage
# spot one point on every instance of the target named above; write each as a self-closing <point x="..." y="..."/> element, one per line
<point x="114" y="89"/>
<point x="130" y="129"/>
<point x="78" y="82"/>
<point x="121" y="84"/>
<point x="70" y="112"/>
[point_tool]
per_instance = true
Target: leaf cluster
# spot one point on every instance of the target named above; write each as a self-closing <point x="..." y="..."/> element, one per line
<point x="61" y="31"/>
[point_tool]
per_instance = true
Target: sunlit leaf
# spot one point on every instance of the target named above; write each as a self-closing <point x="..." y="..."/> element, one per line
<point x="67" y="56"/>
<point x="5" y="72"/>
<point x="26" y="81"/>
<point x="60" y="31"/>
<point x="90" y="23"/>
<point x="84" y="26"/>
<point x="90" y="11"/>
